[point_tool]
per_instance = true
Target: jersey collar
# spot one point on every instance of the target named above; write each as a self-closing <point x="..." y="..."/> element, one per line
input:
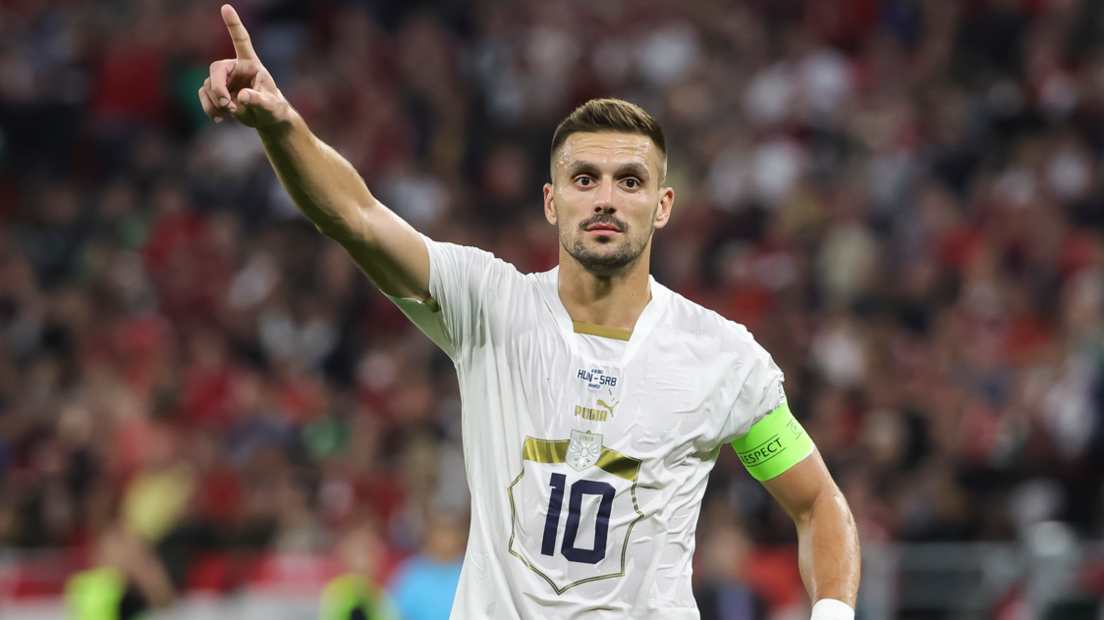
<point x="548" y="285"/>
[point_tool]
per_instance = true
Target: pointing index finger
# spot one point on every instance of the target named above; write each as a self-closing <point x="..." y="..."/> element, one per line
<point x="242" y="46"/>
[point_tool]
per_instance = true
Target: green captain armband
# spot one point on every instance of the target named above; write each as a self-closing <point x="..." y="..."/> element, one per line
<point x="775" y="444"/>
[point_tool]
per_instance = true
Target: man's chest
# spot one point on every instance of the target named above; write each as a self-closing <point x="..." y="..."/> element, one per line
<point x="656" y="399"/>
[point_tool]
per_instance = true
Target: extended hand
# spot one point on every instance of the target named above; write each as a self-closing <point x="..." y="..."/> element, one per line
<point x="242" y="86"/>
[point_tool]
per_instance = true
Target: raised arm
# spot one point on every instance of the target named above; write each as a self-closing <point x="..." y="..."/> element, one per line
<point x="322" y="184"/>
<point x="828" y="543"/>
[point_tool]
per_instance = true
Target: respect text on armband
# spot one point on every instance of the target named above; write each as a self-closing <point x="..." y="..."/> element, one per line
<point x="763" y="452"/>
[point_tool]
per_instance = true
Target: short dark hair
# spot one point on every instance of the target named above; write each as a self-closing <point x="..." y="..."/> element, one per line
<point x="616" y="116"/>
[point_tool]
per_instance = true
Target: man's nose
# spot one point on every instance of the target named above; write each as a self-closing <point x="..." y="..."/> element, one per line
<point x="603" y="201"/>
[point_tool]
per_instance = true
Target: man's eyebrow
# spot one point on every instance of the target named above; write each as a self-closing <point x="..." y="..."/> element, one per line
<point x="630" y="169"/>
<point x="633" y="169"/>
<point x="578" y="166"/>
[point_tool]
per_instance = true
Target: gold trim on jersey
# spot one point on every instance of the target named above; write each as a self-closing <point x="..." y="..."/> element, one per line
<point x="600" y="330"/>
<point x="610" y="461"/>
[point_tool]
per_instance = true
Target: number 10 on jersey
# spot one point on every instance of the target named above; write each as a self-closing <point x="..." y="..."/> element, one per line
<point x="601" y="527"/>
<point x="573" y="508"/>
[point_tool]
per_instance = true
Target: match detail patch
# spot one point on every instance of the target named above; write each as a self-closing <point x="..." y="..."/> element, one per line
<point x="775" y="444"/>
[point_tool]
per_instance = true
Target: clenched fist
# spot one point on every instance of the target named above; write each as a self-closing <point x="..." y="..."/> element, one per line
<point x="242" y="86"/>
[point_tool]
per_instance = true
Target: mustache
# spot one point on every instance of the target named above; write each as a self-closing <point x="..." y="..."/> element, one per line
<point x="604" y="218"/>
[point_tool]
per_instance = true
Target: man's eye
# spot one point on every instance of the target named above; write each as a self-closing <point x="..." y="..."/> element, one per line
<point x="584" y="181"/>
<point x="632" y="183"/>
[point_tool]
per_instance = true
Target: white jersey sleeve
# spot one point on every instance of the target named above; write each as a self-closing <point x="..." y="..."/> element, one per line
<point x="760" y="388"/>
<point x="461" y="280"/>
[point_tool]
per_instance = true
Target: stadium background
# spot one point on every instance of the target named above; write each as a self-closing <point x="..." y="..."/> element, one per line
<point x="901" y="199"/>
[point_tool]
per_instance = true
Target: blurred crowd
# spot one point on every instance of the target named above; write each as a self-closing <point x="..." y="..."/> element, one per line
<point x="903" y="200"/>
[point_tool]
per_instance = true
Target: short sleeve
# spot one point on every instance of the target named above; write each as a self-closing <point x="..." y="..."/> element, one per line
<point x="765" y="435"/>
<point x="461" y="279"/>
<point x="759" y="389"/>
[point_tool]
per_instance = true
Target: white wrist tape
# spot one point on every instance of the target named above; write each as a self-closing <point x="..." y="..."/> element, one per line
<point x="831" y="609"/>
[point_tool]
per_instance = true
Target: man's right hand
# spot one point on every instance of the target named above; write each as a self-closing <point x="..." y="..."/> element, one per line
<point x="325" y="187"/>
<point x="242" y="86"/>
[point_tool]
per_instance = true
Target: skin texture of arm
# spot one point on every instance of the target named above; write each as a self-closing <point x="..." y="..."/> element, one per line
<point x="325" y="187"/>
<point x="331" y="194"/>
<point x="828" y="541"/>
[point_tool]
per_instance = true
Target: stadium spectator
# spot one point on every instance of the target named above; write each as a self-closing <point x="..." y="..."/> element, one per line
<point x="127" y="580"/>
<point x="425" y="584"/>
<point x="722" y="592"/>
<point x="356" y="594"/>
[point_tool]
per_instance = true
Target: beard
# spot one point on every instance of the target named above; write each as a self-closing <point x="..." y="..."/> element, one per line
<point x="610" y="257"/>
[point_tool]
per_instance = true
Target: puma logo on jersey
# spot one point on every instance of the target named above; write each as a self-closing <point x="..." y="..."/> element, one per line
<point x="596" y="378"/>
<point x="598" y="415"/>
<point x="602" y="403"/>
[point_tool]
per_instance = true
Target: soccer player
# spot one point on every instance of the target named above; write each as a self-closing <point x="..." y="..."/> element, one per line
<point x="595" y="400"/>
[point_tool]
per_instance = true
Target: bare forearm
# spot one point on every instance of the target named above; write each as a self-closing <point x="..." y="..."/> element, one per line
<point x="325" y="187"/>
<point x="322" y="184"/>
<point x="330" y="192"/>
<point x="828" y="548"/>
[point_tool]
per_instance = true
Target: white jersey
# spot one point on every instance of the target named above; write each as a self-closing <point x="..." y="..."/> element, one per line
<point x="587" y="449"/>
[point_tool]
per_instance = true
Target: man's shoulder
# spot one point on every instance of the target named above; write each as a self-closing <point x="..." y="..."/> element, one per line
<point x="455" y="250"/>
<point x="476" y="254"/>
<point x="468" y="263"/>
<point x="691" y="318"/>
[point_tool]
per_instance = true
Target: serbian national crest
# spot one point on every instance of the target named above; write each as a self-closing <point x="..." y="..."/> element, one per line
<point x="584" y="450"/>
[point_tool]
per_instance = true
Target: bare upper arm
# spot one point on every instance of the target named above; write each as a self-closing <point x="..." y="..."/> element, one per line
<point x="390" y="252"/>
<point x="798" y="488"/>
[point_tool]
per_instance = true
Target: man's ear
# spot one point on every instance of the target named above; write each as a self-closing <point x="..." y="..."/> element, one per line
<point x="663" y="210"/>
<point x="550" y="205"/>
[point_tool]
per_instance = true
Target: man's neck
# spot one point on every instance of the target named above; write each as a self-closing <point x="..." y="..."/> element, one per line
<point x="616" y="301"/>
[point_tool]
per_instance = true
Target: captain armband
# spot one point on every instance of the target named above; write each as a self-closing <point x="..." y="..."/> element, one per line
<point x="774" y="444"/>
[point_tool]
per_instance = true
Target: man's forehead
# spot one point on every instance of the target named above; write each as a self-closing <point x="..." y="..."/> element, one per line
<point x="608" y="146"/>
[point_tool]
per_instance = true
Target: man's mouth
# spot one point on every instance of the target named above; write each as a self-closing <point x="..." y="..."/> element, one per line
<point x="603" y="228"/>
